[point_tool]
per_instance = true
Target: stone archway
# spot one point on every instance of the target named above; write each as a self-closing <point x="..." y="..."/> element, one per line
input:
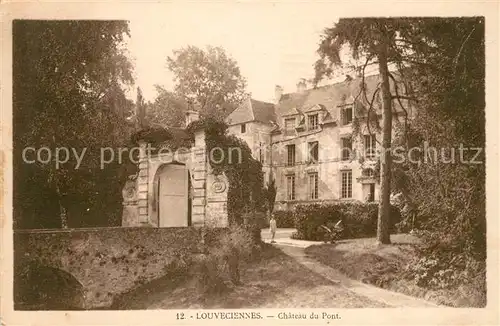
<point x="173" y="202"/>
<point x="39" y="287"/>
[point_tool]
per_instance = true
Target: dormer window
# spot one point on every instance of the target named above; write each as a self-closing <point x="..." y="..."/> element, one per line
<point x="289" y="126"/>
<point x="347" y="115"/>
<point x="243" y="128"/>
<point x="313" y="121"/>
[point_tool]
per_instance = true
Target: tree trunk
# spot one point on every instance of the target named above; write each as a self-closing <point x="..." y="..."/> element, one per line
<point x="383" y="236"/>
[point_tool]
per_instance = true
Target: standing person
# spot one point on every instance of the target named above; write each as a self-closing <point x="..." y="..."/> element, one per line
<point x="272" y="228"/>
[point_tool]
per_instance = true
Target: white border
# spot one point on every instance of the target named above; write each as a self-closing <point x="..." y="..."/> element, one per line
<point x="126" y="10"/>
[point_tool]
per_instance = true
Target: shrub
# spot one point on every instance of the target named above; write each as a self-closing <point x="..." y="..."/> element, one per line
<point x="284" y="219"/>
<point x="179" y="265"/>
<point x="309" y="218"/>
<point x="256" y="219"/>
<point x="210" y="276"/>
<point x="224" y="257"/>
<point x="442" y="265"/>
<point x="359" y="220"/>
<point x="246" y="189"/>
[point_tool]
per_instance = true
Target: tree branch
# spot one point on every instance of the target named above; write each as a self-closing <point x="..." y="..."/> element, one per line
<point x="398" y="97"/>
<point x="363" y="77"/>
<point x="403" y="97"/>
<point x="455" y="61"/>
<point x="370" y="108"/>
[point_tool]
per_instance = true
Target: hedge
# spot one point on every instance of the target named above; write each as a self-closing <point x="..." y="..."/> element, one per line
<point x="284" y="219"/>
<point x="359" y="220"/>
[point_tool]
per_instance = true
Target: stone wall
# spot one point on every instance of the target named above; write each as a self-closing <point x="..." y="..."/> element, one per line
<point x="106" y="261"/>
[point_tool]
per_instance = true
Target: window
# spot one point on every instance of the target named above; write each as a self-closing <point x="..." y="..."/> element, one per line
<point x="346" y="148"/>
<point x="371" y="194"/>
<point x="313" y="151"/>
<point x="290" y="127"/>
<point x="313" y="121"/>
<point x="243" y="128"/>
<point x="370" y="146"/>
<point x="346" y="115"/>
<point x="313" y="185"/>
<point x="290" y="155"/>
<point x="346" y="184"/>
<point x="290" y="187"/>
<point x="368" y="172"/>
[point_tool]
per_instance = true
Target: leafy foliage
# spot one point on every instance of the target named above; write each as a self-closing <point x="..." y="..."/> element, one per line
<point x="208" y="78"/>
<point x="284" y="219"/>
<point x="448" y="195"/>
<point x="225" y="257"/>
<point x="168" y="109"/>
<point x="441" y="63"/>
<point x="231" y="156"/>
<point x="68" y="92"/>
<point x="377" y="41"/>
<point x="359" y="219"/>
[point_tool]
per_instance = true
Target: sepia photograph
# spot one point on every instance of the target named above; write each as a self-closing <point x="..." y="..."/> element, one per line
<point x="243" y="164"/>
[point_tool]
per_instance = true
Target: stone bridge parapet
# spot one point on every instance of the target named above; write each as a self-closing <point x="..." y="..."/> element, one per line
<point x="107" y="261"/>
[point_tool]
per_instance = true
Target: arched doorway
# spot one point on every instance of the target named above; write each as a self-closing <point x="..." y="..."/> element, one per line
<point x="39" y="287"/>
<point x="174" y="202"/>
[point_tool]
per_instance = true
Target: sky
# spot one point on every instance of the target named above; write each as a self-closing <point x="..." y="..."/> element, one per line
<point x="273" y="44"/>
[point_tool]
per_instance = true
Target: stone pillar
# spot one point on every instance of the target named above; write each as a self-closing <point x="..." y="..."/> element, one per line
<point x="216" y="211"/>
<point x="191" y="116"/>
<point x="198" y="179"/>
<point x="130" y="214"/>
<point x="142" y="184"/>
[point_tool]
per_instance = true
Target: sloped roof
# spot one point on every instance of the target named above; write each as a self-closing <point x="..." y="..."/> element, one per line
<point x="263" y="111"/>
<point x="332" y="96"/>
<point x="252" y="110"/>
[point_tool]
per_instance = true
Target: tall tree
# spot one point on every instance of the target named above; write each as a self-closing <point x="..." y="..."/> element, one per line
<point x="375" y="40"/>
<point x="449" y="194"/>
<point x="140" y="109"/>
<point x="209" y="78"/>
<point x="68" y="93"/>
<point x="168" y="109"/>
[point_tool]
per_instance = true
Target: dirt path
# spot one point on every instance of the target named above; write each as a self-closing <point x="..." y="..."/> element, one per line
<point x="283" y="277"/>
<point x="277" y="280"/>
<point x="385" y="297"/>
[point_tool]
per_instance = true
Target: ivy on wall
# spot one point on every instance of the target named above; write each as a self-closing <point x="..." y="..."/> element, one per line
<point x="231" y="156"/>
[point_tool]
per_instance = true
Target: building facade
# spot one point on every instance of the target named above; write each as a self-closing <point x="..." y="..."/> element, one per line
<point x="318" y="144"/>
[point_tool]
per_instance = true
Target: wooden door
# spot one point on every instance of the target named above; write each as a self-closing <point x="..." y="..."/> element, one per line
<point x="173" y="196"/>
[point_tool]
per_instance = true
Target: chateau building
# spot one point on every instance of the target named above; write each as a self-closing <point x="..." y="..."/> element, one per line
<point x="317" y="143"/>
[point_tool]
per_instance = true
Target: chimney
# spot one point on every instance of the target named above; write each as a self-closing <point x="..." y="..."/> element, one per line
<point x="301" y="86"/>
<point x="278" y="92"/>
<point x="191" y="114"/>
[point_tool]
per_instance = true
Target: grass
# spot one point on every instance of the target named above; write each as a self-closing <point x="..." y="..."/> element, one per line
<point x="383" y="265"/>
<point x="273" y="281"/>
